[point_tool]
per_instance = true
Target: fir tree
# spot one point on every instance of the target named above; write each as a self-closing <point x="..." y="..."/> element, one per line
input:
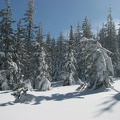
<point x="7" y="49"/>
<point x="53" y="54"/>
<point x="70" y="61"/>
<point x="99" y="69"/>
<point x="40" y="36"/>
<point x="110" y="42"/>
<point x="49" y="52"/>
<point x="78" y="55"/>
<point x="42" y="80"/>
<point x="86" y="27"/>
<point x="59" y="57"/>
<point x="29" y="39"/>
<point x="102" y="35"/>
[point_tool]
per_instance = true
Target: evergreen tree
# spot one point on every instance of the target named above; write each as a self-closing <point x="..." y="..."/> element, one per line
<point x="70" y="61"/>
<point x="71" y="41"/>
<point x="118" y="38"/>
<point x="102" y="35"/>
<point x="40" y="36"/>
<point x="108" y="38"/>
<point x="69" y="68"/>
<point x="49" y="52"/>
<point x="78" y="54"/>
<point x="86" y="27"/>
<point x="110" y="42"/>
<point x="42" y="81"/>
<point x="53" y="55"/>
<point x="7" y="49"/>
<point x="117" y="67"/>
<point x="78" y="34"/>
<point x="19" y="50"/>
<point x="59" y="57"/>
<point x="29" y="34"/>
<point x="99" y="69"/>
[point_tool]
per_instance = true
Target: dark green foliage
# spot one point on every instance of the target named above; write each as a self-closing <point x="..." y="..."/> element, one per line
<point x="86" y="27"/>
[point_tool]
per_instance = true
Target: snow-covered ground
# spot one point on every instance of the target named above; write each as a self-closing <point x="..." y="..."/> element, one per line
<point x="62" y="103"/>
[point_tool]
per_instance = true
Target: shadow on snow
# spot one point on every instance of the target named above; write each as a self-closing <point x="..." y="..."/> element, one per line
<point x="35" y="100"/>
<point x="108" y="105"/>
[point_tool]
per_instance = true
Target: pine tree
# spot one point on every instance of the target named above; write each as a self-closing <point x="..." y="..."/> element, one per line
<point x="40" y="36"/>
<point x="117" y="66"/>
<point x="108" y="38"/>
<point x="78" y="34"/>
<point x="70" y="61"/>
<point x="29" y="39"/>
<point x="110" y="42"/>
<point x="86" y="27"/>
<point x="102" y="35"/>
<point x="7" y="49"/>
<point x="78" y="55"/>
<point x="48" y="47"/>
<point x="118" y="38"/>
<point x="42" y="80"/>
<point x="99" y="69"/>
<point x="69" y="68"/>
<point x="19" y="50"/>
<point x="59" y="57"/>
<point x="53" y="55"/>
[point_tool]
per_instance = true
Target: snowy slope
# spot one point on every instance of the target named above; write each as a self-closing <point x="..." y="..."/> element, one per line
<point x="62" y="103"/>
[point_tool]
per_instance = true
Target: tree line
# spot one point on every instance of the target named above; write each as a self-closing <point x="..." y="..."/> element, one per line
<point x="27" y="53"/>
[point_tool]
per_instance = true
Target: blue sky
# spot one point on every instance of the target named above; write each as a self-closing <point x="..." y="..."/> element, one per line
<point x="57" y="15"/>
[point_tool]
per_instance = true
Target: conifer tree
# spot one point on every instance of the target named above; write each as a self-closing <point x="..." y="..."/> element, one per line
<point x="49" y="52"/>
<point x="7" y="50"/>
<point x="78" y="55"/>
<point x="110" y="42"/>
<point x="40" y="36"/>
<point x="43" y="79"/>
<point x="86" y="27"/>
<point x="53" y="55"/>
<point x="70" y="61"/>
<point x="30" y="30"/>
<point x="108" y="38"/>
<point x="99" y="69"/>
<point x="102" y="35"/>
<point x="59" y="57"/>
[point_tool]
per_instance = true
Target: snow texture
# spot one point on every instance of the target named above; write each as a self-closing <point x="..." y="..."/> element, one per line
<point x="62" y="103"/>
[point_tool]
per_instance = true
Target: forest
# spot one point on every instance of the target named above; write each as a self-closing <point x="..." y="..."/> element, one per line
<point x="26" y="53"/>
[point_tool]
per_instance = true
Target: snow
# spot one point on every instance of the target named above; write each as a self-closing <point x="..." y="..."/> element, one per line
<point x="62" y="103"/>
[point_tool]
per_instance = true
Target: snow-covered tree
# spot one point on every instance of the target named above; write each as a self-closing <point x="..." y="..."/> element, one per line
<point x="86" y="27"/>
<point x="70" y="61"/>
<point x="53" y="55"/>
<point x="42" y="81"/>
<point x="69" y="68"/>
<point x="59" y="57"/>
<point x="7" y="48"/>
<point x="48" y="48"/>
<point x="29" y="33"/>
<point x="108" y="38"/>
<point x="99" y="69"/>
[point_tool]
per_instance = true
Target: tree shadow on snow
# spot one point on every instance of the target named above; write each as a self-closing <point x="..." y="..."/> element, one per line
<point x="35" y="100"/>
<point x="109" y="104"/>
<point x="57" y="97"/>
<point x="24" y="99"/>
<point x="77" y="94"/>
<point x="90" y="92"/>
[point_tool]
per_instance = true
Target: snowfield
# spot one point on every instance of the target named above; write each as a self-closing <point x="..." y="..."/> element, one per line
<point x="62" y="103"/>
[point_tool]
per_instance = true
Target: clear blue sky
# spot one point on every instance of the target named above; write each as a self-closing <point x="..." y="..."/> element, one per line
<point x="57" y="15"/>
